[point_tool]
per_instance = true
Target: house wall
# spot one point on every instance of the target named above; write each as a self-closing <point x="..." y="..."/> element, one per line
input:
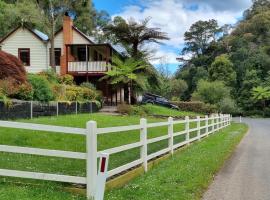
<point x="78" y="39"/>
<point x="23" y="38"/>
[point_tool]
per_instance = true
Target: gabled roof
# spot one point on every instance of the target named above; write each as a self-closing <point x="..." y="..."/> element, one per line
<point x="78" y="31"/>
<point x="38" y="34"/>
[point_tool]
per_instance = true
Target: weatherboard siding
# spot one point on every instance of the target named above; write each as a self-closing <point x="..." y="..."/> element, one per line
<point x="23" y="38"/>
<point x="78" y="39"/>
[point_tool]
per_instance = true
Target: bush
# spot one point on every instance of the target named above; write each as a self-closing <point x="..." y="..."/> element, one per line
<point x="67" y="79"/>
<point x="195" y="106"/>
<point x="228" y="105"/>
<point x="41" y="87"/>
<point x="211" y="92"/>
<point x="24" y="92"/>
<point x="51" y="76"/>
<point x="59" y="91"/>
<point x="8" y="86"/>
<point x="124" y="108"/>
<point x="88" y="85"/>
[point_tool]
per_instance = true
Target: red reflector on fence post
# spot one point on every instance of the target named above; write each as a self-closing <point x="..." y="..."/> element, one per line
<point x="102" y="176"/>
<point x="103" y="163"/>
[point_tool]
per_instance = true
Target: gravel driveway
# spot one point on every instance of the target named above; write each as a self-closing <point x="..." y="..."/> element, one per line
<point x="246" y="175"/>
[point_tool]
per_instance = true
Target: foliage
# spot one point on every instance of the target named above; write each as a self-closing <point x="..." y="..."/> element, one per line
<point x="240" y="57"/>
<point x="195" y="106"/>
<point x="41" y="88"/>
<point x="124" y="108"/>
<point x="76" y="93"/>
<point x="211" y="92"/>
<point x="133" y="34"/>
<point x="228" y="105"/>
<point x="24" y="92"/>
<point x="200" y="35"/>
<point x="88" y="85"/>
<point x="51" y="76"/>
<point x="67" y="79"/>
<point x="11" y="67"/>
<point x="222" y="70"/>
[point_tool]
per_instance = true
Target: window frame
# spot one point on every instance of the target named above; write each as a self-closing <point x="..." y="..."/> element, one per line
<point x="28" y="64"/>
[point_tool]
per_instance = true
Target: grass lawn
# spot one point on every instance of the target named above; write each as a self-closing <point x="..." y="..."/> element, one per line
<point x="186" y="175"/>
<point x="39" y="139"/>
<point x="158" y="110"/>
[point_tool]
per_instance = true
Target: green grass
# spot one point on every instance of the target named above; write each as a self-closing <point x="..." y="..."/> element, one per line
<point x="39" y="139"/>
<point x="187" y="174"/>
<point x="159" y="110"/>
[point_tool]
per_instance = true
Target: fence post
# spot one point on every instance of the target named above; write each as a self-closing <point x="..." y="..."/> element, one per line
<point x="102" y="176"/>
<point x="213" y="123"/>
<point x="31" y="109"/>
<point x="143" y="139"/>
<point x="91" y="162"/>
<point x="206" y="125"/>
<point x="199" y="127"/>
<point x="187" y="129"/>
<point x="170" y="133"/>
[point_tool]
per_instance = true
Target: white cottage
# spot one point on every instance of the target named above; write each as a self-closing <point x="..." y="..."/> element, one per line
<point x="75" y="54"/>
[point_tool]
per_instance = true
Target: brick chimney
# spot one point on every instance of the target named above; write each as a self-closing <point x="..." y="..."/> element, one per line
<point x="67" y="39"/>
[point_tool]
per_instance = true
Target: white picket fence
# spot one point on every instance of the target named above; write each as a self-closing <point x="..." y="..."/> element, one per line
<point x="211" y="125"/>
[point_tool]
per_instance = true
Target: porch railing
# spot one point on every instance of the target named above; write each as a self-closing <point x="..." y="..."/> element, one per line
<point x="90" y="67"/>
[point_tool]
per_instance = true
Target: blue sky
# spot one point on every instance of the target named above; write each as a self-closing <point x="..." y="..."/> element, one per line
<point x="174" y="17"/>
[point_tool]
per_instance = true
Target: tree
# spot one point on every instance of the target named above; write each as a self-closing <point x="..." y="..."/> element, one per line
<point x="261" y="94"/>
<point x="177" y="88"/>
<point x="127" y="71"/>
<point x="211" y="92"/>
<point x="23" y="12"/>
<point x="222" y="70"/>
<point x="133" y="34"/>
<point x="200" y="35"/>
<point x="53" y="10"/>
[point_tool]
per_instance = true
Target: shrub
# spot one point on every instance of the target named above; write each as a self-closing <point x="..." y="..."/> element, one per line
<point x="67" y="79"/>
<point x="195" y="106"/>
<point x="11" y="67"/>
<point x="124" y="108"/>
<point x="228" y="105"/>
<point x="73" y="93"/>
<point x="51" y="76"/>
<point x="24" y="92"/>
<point x="8" y="86"/>
<point x="88" y="85"/>
<point x="59" y="91"/>
<point x="211" y="92"/>
<point x="41" y="87"/>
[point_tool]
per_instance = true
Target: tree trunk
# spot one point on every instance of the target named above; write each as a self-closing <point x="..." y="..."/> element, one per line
<point x="52" y="38"/>
<point x="52" y="46"/>
<point x="129" y="93"/>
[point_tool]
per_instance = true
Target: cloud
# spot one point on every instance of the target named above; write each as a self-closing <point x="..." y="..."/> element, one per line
<point x="176" y="16"/>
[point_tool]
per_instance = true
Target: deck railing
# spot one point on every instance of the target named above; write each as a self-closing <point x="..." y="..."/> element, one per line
<point x="90" y="67"/>
<point x="203" y="127"/>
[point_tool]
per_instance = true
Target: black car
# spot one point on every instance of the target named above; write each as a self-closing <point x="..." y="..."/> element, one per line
<point x="158" y="100"/>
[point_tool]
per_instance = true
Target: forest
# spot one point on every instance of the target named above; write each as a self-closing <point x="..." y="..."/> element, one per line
<point x="228" y="66"/>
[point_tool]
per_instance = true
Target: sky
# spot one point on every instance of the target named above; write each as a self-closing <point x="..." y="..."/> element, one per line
<point x="174" y="17"/>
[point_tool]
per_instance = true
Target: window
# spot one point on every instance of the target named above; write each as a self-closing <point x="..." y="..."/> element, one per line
<point x="24" y="56"/>
<point x="81" y="54"/>
<point x="57" y="56"/>
<point x="95" y="56"/>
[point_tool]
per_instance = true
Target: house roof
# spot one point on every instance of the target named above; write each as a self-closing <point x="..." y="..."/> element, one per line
<point x="44" y="38"/>
<point x="38" y="34"/>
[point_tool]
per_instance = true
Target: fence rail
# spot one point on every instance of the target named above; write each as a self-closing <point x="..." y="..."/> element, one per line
<point x="214" y="122"/>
